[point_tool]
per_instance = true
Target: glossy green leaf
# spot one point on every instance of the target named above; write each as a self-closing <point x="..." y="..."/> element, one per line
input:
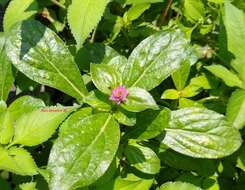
<point x="234" y="20"/>
<point x="241" y="159"/>
<point x="41" y="55"/>
<point x="156" y="58"/>
<point x="142" y="158"/>
<point x="24" y="105"/>
<point x="139" y="100"/>
<point x="124" y="117"/>
<point x="6" y="127"/>
<point x="39" y="125"/>
<point x="150" y="124"/>
<point x="17" y="160"/>
<point x="236" y="109"/>
<point x="83" y="16"/>
<point x="201" y="133"/>
<point x="19" y="10"/>
<point x="6" y="74"/>
<point x="105" y="78"/>
<point x="28" y="186"/>
<point x="226" y="75"/>
<point x="194" y="10"/>
<point x="179" y="185"/>
<point x="84" y="150"/>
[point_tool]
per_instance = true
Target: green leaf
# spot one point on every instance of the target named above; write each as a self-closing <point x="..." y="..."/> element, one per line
<point x="105" y="78"/>
<point x="180" y="76"/>
<point x="201" y="133"/>
<point x="17" y="160"/>
<point x="28" y="186"/>
<point x="124" y="117"/>
<point x="19" y="10"/>
<point x="23" y="105"/>
<point x="38" y="126"/>
<point x="236" y="109"/>
<point x="241" y="158"/>
<point x="84" y="150"/>
<point x="135" y="2"/>
<point x="6" y="74"/>
<point x="142" y="158"/>
<point x="150" y="124"/>
<point x="135" y="12"/>
<point x="128" y="183"/>
<point x="139" y="100"/>
<point x="194" y="10"/>
<point x="234" y="20"/>
<point x="6" y="127"/>
<point x="41" y="55"/>
<point x="83" y="16"/>
<point x="179" y="185"/>
<point x="156" y="58"/>
<point x="226" y="75"/>
<point x="170" y="94"/>
<point x="98" y="100"/>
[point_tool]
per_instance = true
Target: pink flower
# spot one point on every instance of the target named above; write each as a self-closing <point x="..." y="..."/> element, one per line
<point x="119" y="94"/>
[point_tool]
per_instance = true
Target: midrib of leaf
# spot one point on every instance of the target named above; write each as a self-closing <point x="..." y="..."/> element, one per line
<point x="59" y="72"/>
<point x="89" y="147"/>
<point x="149" y="66"/>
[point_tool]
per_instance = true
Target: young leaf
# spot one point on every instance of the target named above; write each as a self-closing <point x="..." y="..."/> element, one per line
<point x="19" y="10"/>
<point x="84" y="150"/>
<point x="28" y="186"/>
<point x="156" y="58"/>
<point x="17" y="160"/>
<point x="23" y="105"/>
<point x="226" y="75"/>
<point x="6" y="127"/>
<point x="38" y="126"/>
<point x="170" y="94"/>
<point x="6" y="74"/>
<point x="142" y="158"/>
<point x="139" y="100"/>
<point x="236" y="109"/>
<point x="201" y="133"/>
<point x="194" y="10"/>
<point x="41" y="55"/>
<point x="179" y="185"/>
<point x="83" y="16"/>
<point x="105" y="78"/>
<point x="124" y="117"/>
<point x="234" y="20"/>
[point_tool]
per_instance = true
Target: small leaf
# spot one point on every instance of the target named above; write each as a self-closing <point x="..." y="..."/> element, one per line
<point x="84" y="150"/>
<point x="226" y="75"/>
<point x="6" y="74"/>
<point x="179" y="185"/>
<point x="83" y="16"/>
<point x="124" y="117"/>
<point x="6" y="127"/>
<point x="41" y="55"/>
<point x="105" y="78"/>
<point x="170" y="94"/>
<point x="236" y="109"/>
<point x="139" y="100"/>
<point x="194" y="10"/>
<point x="23" y="105"/>
<point x="17" y="160"/>
<point x="201" y="133"/>
<point x="156" y="58"/>
<point x="142" y="158"/>
<point x="38" y="126"/>
<point x="28" y="186"/>
<point x="19" y="10"/>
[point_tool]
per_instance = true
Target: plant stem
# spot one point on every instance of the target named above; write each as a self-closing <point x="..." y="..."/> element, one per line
<point x="58" y="4"/>
<point x="165" y="12"/>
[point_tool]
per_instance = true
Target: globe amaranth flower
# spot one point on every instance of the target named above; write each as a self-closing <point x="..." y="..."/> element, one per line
<point x="119" y="95"/>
